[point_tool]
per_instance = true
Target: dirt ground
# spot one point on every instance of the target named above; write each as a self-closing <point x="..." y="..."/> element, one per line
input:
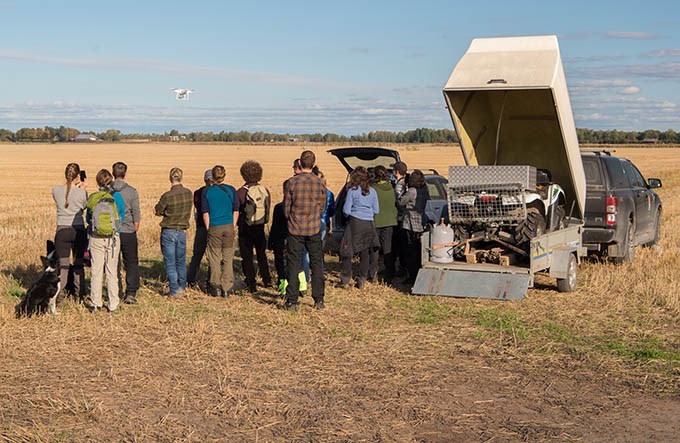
<point x="600" y="364"/>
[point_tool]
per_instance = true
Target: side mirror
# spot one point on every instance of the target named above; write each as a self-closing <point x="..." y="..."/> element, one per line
<point x="654" y="183"/>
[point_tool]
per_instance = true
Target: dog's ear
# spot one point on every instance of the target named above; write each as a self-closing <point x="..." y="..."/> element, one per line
<point x="50" y="246"/>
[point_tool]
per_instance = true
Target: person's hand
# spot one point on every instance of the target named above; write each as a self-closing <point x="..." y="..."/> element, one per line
<point x="83" y="184"/>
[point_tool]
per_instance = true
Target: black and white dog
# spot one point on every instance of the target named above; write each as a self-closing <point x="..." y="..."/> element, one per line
<point x="42" y="295"/>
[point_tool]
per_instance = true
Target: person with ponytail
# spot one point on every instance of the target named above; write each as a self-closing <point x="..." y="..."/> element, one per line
<point x="360" y="237"/>
<point x="71" y="236"/>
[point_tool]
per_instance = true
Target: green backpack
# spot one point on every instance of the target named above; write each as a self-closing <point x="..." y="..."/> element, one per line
<point x="105" y="220"/>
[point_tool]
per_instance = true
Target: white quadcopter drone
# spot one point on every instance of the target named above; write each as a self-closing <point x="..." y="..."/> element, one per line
<point x="181" y="93"/>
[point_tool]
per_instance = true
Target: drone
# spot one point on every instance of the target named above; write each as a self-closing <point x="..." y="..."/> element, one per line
<point x="182" y="93"/>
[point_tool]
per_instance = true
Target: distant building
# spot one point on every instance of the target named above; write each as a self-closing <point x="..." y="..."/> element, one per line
<point x="649" y="141"/>
<point x="85" y="138"/>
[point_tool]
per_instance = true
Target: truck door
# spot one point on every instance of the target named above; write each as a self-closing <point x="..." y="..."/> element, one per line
<point x="643" y="201"/>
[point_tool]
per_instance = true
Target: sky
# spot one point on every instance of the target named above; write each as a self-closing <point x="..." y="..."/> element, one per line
<point x="316" y="66"/>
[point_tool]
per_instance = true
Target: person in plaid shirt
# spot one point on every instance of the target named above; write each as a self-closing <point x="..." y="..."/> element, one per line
<point x="304" y="202"/>
<point x="175" y="208"/>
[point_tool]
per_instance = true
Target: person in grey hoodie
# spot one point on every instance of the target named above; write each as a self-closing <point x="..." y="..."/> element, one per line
<point x="128" y="233"/>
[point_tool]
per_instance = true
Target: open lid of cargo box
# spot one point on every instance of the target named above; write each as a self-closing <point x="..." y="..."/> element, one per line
<point x="509" y="104"/>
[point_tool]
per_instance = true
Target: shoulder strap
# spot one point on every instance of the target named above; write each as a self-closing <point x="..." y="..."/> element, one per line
<point x="224" y="189"/>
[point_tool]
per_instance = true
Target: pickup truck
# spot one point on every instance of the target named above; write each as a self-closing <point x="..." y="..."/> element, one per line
<point x="622" y="210"/>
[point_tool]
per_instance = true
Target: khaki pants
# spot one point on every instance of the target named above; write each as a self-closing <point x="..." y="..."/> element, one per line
<point x="221" y="256"/>
<point x="104" y="253"/>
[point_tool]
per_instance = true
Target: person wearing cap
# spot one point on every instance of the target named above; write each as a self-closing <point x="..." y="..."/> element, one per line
<point x="201" y="237"/>
<point x="175" y="208"/>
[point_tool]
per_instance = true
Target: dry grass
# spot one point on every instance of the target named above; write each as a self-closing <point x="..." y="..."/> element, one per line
<point x="377" y="365"/>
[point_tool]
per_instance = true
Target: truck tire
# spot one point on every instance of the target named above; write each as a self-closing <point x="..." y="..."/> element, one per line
<point x="532" y="227"/>
<point x="628" y="245"/>
<point x="568" y="284"/>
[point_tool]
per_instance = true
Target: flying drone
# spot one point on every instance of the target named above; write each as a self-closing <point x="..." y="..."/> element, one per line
<point x="182" y="93"/>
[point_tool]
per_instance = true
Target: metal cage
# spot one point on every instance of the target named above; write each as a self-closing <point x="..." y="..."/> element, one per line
<point x="500" y="203"/>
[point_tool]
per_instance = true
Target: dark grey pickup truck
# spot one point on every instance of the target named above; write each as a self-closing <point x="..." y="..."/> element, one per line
<point x="622" y="209"/>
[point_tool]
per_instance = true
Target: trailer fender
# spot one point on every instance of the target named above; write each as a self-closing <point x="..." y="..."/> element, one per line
<point x="559" y="267"/>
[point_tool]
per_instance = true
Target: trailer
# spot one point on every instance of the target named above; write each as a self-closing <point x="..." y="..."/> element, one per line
<point x="516" y="207"/>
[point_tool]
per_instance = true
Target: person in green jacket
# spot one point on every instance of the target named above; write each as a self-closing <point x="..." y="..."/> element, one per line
<point x="385" y="222"/>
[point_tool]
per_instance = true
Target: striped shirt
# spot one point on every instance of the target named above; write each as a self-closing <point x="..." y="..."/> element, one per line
<point x="304" y="202"/>
<point x="175" y="208"/>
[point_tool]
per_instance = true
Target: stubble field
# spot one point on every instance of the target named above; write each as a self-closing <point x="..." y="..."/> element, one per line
<point x="600" y="364"/>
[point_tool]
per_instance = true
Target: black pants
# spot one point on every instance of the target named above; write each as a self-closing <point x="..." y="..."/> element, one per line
<point x="200" y="244"/>
<point x="399" y="247"/>
<point x="250" y="237"/>
<point x="129" y="250"/>
<point x="295" y="246"/>
<point x="279" y="249"/>
<point x="412" y="253"/>
<point x="385" y="237"/>
<point x="71" y="240"/>
<point x="368" y="265"/>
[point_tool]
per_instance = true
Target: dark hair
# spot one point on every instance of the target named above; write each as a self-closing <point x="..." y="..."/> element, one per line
<point x="307" y="160"/>
<point x="416" y="179"/>
<point x="219" y="173"/>
<point x="119" y="169"/>
<point x="359" y="179"/>
<point x="72" y="171"/>
<point x="251" y="171"/>
<point x="104" y="178"/>
<point x="380" y="173"/>
<point x="296" y="164"/>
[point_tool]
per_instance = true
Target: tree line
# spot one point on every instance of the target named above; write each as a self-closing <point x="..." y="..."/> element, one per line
<point x="420" y="135"/>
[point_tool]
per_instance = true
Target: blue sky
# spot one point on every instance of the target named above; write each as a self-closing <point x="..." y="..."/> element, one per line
<point x="291" y="66"/>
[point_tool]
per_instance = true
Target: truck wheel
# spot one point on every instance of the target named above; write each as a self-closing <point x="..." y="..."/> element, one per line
<point x="629" y="245"/>
<point x="657" y="230"/>
<point x="569" y="284"/>
<point x="532" y="227"/>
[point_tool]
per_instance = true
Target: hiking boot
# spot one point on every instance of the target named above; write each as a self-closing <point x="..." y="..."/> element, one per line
<point x="359" y="283"/>
<point x="215" y="291"/>
<point x="319" y="305"/>
<point x="93" y="309"/>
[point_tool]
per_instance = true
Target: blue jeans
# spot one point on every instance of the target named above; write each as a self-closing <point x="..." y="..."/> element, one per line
<point x="174" y="248"/>
<point x="305" y="255"/>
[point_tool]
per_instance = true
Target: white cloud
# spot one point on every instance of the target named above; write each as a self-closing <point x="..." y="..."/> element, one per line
<point x="631" y="35"/>
<point x="630" y="90"/>
<point x="674" y="52"/>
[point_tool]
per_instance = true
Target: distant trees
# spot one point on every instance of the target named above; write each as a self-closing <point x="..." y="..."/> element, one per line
<point x="419" y="135"/>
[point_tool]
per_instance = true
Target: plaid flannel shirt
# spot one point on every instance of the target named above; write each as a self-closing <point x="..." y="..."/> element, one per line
<point x="304" y="203"/>
<point x="175" y="208"/>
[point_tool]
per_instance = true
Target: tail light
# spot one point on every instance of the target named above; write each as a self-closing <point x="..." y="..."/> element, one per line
<point x="610" y="203"/>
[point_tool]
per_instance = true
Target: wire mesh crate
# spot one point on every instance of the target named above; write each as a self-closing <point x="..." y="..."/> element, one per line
<point x="523" y="175"/>
<point x="501" y="203"/>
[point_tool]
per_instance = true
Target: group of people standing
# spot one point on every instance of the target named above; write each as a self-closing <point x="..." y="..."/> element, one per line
<point x="380" y="219"/>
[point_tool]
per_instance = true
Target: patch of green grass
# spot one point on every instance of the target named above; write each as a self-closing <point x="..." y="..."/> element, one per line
<point x="648" y="349"/>
<point x="557" y="332"/>
<point x="13" y="289"/>
<point x="431" y="313"/>
<point x="503" y="321"/>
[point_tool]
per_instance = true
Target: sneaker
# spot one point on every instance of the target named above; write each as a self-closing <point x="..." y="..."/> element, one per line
<point x="319" y="305"/>
<point x="359" y="284"/>
<point x="93" y="309"/>
<point x="215" y="291"/>
<point x="193" y="285"/>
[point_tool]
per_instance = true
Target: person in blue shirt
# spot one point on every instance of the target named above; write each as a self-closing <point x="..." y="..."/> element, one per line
<point x="220" y="209"/>
<point x="360" y="237"/>
<point x="104" y="245"/>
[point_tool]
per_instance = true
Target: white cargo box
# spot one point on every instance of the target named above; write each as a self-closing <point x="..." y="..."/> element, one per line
<point x="509" y="104"/>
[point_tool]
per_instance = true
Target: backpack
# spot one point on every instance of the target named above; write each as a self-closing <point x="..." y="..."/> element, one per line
<point x="256" y="207"/>
<point x="105" y="221"/>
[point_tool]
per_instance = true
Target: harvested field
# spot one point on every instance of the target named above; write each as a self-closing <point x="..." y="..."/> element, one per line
<point x="600" y="364"/>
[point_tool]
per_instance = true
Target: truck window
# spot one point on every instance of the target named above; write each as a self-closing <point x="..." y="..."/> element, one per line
<point x="435" y="191"/>
<point x="618" y="177"/>
<point x="634" y="176"/>
<point x="591" y="167"/>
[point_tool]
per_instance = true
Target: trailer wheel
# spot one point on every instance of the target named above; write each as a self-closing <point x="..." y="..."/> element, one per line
<point x="569" y="284"/>
<point x="533" y="226"/>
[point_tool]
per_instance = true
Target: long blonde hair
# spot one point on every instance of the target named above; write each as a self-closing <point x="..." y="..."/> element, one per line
<point x="72" y="171"/>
